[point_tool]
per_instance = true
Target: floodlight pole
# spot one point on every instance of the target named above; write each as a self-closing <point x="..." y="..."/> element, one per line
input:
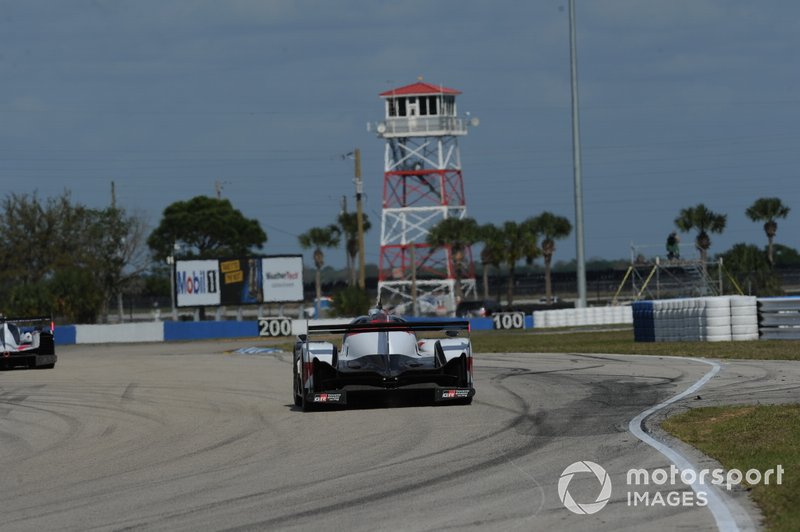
<point x="576" y="162"/>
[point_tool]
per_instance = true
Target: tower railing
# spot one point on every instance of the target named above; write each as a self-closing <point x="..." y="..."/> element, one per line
<point x="422" y="125"/>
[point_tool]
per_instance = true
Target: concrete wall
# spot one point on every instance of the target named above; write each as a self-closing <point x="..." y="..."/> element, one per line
<point x="118" y="333"/>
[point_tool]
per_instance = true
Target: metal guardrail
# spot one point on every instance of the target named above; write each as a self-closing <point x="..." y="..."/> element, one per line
<point x="779" y="318"/>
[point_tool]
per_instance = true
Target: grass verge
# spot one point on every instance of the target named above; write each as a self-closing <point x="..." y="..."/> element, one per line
<point x="621" y="342"/>
<point x="751" y="437"/>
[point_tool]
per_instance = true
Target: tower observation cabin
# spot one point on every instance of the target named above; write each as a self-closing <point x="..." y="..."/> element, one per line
<point x="422" y="186"/>
<point x="421" y="109"/>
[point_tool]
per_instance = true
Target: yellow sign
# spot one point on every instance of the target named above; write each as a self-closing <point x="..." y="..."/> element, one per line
<point x="234" y="277"/>
<point x="229" y="266"/>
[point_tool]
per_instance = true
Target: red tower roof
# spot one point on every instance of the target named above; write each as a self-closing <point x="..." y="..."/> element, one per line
<point x="419" y="88"/>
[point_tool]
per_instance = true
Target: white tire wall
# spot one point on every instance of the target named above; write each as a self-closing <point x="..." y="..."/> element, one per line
<point x="710" y="319"/>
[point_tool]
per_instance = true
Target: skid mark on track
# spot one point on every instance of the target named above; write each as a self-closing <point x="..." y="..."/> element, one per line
<point x="127" y="395"/>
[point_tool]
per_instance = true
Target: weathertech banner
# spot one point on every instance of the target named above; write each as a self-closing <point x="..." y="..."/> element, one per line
<point x="241" y="281"/>
<point x="197" y="283"/>
<point x="282" y="278"/>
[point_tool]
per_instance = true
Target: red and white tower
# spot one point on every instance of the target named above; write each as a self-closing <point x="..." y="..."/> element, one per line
<point x="422" y="185"/>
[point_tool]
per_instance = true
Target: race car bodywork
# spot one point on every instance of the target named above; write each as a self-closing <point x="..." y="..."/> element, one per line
<point x="383" y="353"/>
<point x="27" y="342"/>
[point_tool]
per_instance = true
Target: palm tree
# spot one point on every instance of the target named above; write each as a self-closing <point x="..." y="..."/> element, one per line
<point x="318" y="238"/>
<point x="517" y="241"/>
<point x="704" y="221"/>
<point x="458" y="234"/>
<point x="767" y="210"/>
<point x="551" y="227"/>
<point x="348" y="223"/>
<point x="492" y="252"/>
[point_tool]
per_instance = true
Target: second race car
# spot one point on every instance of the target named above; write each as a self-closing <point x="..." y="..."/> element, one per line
<point x="27" y="342"/>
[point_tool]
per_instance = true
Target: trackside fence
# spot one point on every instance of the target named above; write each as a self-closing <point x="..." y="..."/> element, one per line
<point x="704" y="319"/>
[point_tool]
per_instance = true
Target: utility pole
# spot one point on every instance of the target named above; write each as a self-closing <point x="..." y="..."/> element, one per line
<point x="219" y="185"/>
<point x="576" y="161"/>
<point x="351" y="268"/>
<point x="113" y="195"/>
<point x="360" y="218"/>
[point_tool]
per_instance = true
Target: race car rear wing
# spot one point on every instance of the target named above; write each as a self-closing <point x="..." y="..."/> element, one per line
<point x="26" y="320"/>
<point x="383" y="326"/>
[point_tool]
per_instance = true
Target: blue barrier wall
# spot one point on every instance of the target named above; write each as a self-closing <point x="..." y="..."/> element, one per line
<point x="204" y="330"/>
<point x="481" y="324"/>
<point x="475" y="324"/>
<point x="208" y="330"/>
<point x="65" y="335"/>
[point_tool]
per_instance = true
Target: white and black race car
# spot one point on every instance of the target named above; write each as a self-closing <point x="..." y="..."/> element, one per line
<point x="27" y="342"/>
<point x="382" y="353"/>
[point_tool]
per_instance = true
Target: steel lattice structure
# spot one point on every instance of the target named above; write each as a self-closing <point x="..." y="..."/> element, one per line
<point x="422" y="186"/>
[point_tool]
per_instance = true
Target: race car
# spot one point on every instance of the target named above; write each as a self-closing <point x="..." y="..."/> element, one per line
<point x="27" y="342"/>
<point x="382" y="353"/>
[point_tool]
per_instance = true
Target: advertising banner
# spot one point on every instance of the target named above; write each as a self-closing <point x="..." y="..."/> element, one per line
<point x="197" y="283"/>
<point x="282" y="278"/>
<point x="241" y="281"/>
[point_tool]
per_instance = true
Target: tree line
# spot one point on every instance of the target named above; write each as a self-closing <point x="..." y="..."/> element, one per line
<point x="63" y="258"/>
<point x="505" y="244"/>
<point x="511" y="242"/>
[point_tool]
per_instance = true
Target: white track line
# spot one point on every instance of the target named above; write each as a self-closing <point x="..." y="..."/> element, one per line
<point x="727" y="513"/>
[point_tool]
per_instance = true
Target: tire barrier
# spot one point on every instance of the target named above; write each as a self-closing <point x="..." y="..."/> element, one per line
<point x="572" y="317"/>
<point x="702" y="319"/>
<point x="779" y="318"/>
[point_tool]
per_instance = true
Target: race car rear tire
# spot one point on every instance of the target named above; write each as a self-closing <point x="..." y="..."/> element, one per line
<point x="298" y="397"/>
<point x="305" y="405"/>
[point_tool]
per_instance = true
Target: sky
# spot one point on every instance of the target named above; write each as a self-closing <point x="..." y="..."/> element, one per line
<point x="681" y="102"/>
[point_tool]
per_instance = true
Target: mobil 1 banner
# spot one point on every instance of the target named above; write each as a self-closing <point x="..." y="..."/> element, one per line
<point x="197" y="283"/>
<point x="240" y="280"/>
<point x="282" y="278"/>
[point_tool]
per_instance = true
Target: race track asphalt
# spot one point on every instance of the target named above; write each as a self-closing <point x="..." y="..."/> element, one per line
<point x="185" y="436"/>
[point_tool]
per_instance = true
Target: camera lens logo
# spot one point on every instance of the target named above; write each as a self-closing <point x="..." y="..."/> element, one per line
<point x="584" y="508"/>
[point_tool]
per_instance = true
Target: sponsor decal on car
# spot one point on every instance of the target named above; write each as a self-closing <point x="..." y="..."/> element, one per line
<point x="327" y="397"/>
<point x="456" y="393"/>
